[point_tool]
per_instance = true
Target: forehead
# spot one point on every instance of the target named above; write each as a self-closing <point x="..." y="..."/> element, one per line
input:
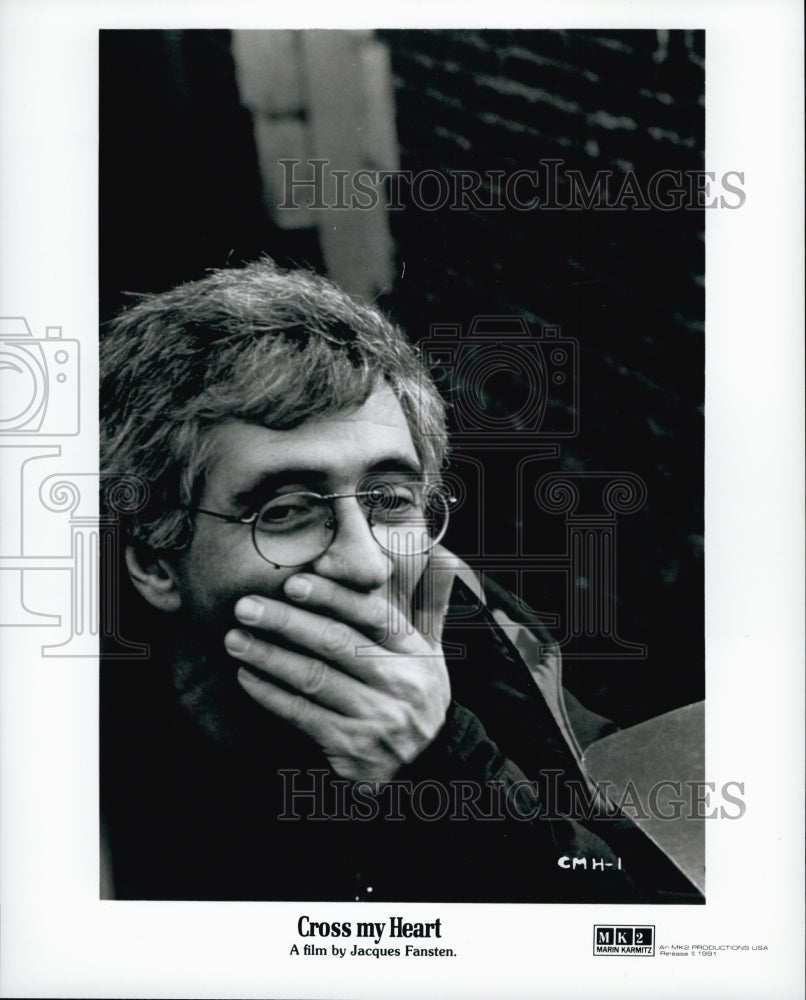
<point x="336" y="448"/>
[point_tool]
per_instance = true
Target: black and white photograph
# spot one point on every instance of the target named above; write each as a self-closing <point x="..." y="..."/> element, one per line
<point x="378" y="538"/>
<point x="486" y="353"/>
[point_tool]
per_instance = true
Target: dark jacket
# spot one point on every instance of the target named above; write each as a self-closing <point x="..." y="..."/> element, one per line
<point x="481" y="815"/>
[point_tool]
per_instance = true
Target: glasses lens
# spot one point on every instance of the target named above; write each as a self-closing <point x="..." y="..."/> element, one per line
<point x="407" y="518"/>
<point x="294" y="529"/>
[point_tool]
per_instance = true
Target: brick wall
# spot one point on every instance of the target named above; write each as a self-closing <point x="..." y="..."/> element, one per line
<point x="627" y="285"/>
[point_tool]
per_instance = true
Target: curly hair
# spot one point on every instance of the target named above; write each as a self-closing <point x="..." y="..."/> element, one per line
<point x="257" y="343"/>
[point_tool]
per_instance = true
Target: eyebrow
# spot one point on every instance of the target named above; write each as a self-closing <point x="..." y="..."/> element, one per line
<point x="263" y="486"/>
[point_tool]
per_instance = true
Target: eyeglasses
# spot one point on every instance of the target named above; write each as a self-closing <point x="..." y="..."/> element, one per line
<point x="406" y="519"/>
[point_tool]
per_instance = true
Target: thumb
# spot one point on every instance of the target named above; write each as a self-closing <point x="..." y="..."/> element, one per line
<point x="430" y="602"/>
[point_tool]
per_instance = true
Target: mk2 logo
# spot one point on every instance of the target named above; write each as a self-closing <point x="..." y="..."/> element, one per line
<point x="623" y="940"/>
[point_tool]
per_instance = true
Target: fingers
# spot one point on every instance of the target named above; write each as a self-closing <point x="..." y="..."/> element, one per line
<point x="318" y="722"/>
<point x="369" y="707"/>
<point x="321" y="637"/>
<point x="355" y="749"/>
<point x="337" y="624"/>
<point x="307" y="676"/>
<point x="380" y="617"/>
<point x="373" y="615"/>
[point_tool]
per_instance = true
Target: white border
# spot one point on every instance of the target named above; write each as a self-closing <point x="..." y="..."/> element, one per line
<point x="59" y="941"/>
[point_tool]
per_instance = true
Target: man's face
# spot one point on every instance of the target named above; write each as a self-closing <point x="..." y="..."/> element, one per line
<point x="250" y="464"/>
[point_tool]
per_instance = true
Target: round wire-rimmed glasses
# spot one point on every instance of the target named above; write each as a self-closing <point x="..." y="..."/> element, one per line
<point x="292" y="529"/>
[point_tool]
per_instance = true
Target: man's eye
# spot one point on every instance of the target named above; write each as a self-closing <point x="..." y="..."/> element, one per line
<point x="393" y="497"/>
<point x="400" y="500"/>
<point x="286" y="512"/>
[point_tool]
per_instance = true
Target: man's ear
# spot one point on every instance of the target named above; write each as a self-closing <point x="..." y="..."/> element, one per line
<point x="154" y="578"/>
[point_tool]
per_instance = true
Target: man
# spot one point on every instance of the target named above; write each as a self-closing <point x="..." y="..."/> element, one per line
<point x="333" y="707"/>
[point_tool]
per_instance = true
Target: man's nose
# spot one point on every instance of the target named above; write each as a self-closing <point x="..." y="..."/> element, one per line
<point x="354" y="558"/>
